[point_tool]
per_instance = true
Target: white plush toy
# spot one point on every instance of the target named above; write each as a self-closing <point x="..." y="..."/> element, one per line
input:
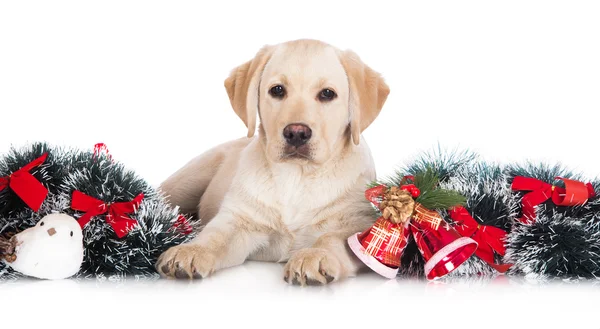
<point x="52" y="249"/>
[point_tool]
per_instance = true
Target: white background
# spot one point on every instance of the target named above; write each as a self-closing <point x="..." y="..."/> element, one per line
<point x="512" y="80"/>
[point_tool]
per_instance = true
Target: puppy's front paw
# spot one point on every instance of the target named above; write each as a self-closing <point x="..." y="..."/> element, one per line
<point x="188" y="261"/>
<point x="312" y="266"/>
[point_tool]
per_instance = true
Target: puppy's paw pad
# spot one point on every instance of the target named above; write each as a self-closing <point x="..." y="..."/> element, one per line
<point x="312" y="266"/>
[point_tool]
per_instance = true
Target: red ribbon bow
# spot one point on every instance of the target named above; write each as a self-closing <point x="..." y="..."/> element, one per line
<point x="574" y="193"/>
<point x="26" y="186"/>
<point x="116" y="213"/>
<point x="490" y="239"/>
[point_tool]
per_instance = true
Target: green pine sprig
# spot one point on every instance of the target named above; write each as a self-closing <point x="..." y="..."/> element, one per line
<point x="431" y="197"/>
<point x="441" y="199"/>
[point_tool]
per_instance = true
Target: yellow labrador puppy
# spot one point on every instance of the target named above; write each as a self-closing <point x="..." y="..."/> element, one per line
<point x="295" y="192"/>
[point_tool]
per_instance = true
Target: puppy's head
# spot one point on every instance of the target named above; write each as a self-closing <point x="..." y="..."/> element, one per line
<point x="311" y="99"/>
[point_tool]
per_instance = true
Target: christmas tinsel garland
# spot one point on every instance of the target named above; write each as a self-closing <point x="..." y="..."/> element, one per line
<point x="67" y="171"/>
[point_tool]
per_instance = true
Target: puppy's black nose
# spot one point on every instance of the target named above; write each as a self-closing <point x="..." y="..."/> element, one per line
<point x="297" y="134"/>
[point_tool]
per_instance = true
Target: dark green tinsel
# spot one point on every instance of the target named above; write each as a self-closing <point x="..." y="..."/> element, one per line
<point x="555" y="246"/>
<point x="490" y="200"/>
<point x="444" y="163"/>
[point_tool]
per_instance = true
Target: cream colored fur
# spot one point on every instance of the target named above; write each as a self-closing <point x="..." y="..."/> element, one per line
<point x="260" y="204"/>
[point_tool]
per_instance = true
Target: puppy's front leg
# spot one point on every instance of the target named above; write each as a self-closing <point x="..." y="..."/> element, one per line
<point x="328" y="260"/>
<point x="226" y="241"/>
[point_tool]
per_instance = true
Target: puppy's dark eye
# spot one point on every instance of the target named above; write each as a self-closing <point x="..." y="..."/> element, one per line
<point x="42" y="224"/>
<point x="277" y="91"/>
<point x="326" y="95"/>
<point x="71" y="233"/>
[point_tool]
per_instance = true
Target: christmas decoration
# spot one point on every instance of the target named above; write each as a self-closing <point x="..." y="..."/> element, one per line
<point x="53" y="249"/>
<point x="489" y="207"/>
<point x="126" y="224"/>
<point x="556" y="232"/>
<point x="442" y="247"/>
<point x="528" y="219"/>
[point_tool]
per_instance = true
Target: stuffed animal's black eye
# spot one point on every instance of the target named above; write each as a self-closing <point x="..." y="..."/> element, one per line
<point x="42" y="224"/>
<point x="327" y="95"/>
<point x="71" y="233"/>
<point x="277" y="91"/>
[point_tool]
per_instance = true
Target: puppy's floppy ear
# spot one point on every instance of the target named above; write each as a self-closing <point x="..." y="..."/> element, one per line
<point x="368" y="93"/>
<point x="242" y="88"/>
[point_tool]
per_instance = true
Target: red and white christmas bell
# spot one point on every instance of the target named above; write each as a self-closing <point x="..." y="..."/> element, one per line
<point x="442" y="247"/>
<point x="381" y="246"/>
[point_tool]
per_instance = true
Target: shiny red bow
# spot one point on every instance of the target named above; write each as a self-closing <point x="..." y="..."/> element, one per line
<point x="116" y="213"/>
<point x="26" y="186"/>
<point x="490" y="239"/>
<point x="573" y="194"/>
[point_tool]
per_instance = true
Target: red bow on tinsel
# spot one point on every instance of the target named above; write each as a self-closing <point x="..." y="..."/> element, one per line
<point x="26" y="186"/>
<point x="116" y="213"/>
<point x="183" y="225"/>
<point x="100" y="148"/>
<point x="489" y="238"/>
<point x="574" y="193"/>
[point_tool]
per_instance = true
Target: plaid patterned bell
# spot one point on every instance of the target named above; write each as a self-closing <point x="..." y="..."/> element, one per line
<point x="442" y="247"/>
<point x="381" y="246"/>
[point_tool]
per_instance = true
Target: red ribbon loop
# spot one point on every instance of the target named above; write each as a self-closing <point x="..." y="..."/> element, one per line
<point x="573" y="194"/>
<point x="373" y="194"/>
<point x="26" y="186"/>
<point x="408" y="177"/>
<point x="116" y="213"/>
<point x="490" y="239"/>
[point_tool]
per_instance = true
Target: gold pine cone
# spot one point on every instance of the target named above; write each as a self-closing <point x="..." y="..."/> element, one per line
<point x="397" y="205"/>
